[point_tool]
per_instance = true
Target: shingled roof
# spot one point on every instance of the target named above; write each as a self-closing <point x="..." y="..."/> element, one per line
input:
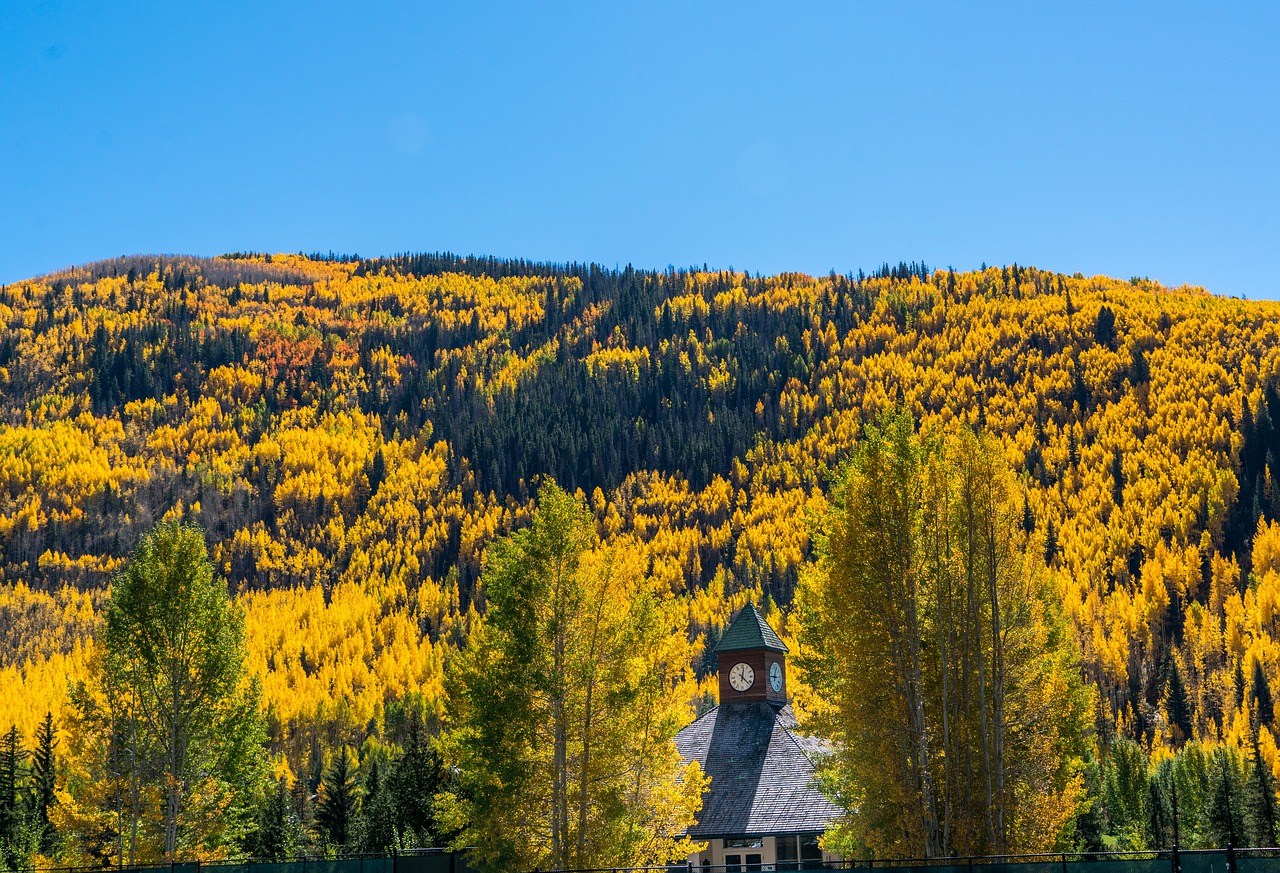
<point x="761" y="773"/>
<point x="749" y="630"/>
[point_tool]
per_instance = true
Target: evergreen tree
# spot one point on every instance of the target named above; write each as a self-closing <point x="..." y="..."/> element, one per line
<point x="300" y="800"/>
<point x="1260" y="695"/>
<point x="1050" y="543"/>
<point x="43" y="778"/>
<point x="1176" y="703"/>
<point x="1159" y="826"/>
<point x="1260" y="800"/>
<point x="378" y="819"/>
<point x="13" y="845"/>
<point x="339" y="807"/>
<point x="1104" y="327"/>
<point x="418" y="776"/>
<point x="1223" y="824"/>
<point x="277" y="835"/>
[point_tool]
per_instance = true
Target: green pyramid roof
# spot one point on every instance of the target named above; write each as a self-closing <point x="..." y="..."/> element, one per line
<point x="749" y="630"/>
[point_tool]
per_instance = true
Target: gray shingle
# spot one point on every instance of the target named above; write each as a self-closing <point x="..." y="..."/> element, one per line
<point x="761" y="773"/>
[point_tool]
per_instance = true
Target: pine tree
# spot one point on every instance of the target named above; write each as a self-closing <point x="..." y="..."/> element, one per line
<point x="1050" y="543"/>
<point x="378" y="819"/>
<point x="277" y="834"/>
<point x="1260" y="799"/>
<point x="1260" y="695"/>
<point x="300" y="801"/>
<point x="417" y="777"/>
<point x="1104" y="327"/>
<point x="339" y="805"/>
<point x="15" y="847"/>
<point x="1176" y="702"/>
<point x="1223" y="825"/>
<point x="43" y="775"/>
<point x="1159" y="830"/>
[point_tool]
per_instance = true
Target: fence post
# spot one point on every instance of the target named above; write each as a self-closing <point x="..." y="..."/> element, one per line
<point x="1064" y="862"/>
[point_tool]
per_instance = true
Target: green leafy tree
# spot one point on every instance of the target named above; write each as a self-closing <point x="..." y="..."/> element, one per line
<point x="169" y="710"/>
<point x="1126" y="793"/>
<point x="929" y="630"/>
<point x="563" y="707"/>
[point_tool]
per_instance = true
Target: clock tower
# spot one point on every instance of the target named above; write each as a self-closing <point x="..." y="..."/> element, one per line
<point x="751" y="660"/>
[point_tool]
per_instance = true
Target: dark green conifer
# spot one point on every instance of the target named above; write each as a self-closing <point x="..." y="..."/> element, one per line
<point x="339" y="805"/>
<point x="1104" y="327"/>
<point x="277" y="833"/>
<point x="1260" y="800"/>
<point x="1050" y="542"/>
<point x="1260" y="695"/>
<point x="418" y="776"/>
<point x="378" y="831"/>
<point x="12" y="848"/>
<point x="1159" y="829"/>
<point x="1176" y="703"/>
<point x="44" y="765"/>
<point x="1223" y="825"/>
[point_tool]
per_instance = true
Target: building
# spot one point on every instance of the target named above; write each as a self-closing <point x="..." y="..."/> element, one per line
<point x="762" y="810"/>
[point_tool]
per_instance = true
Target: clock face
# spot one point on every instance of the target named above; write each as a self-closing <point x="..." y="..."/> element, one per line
<point x="775" y="676"/>
<point x="741" y="677"/>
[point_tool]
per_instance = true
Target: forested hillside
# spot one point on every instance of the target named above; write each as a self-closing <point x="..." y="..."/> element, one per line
<point x="350" y="433"/>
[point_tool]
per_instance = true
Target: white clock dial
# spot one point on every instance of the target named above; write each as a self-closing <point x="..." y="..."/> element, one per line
<point x="775" y="676"/>
<point x="742" y="677"/>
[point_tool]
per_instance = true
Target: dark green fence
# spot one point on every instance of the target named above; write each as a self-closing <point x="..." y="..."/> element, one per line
<point x="417" y="861"/>
<point x="1182" y="861"/>
<point x="443" y="861"/>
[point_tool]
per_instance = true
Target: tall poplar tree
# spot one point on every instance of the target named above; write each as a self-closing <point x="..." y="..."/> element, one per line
<point x="564" y="705"/>
<point x="168" y="715"/>
<point x="931" y="634"/>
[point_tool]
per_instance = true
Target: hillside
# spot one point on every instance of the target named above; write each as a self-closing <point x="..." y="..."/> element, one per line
<point x="351" y="432"/>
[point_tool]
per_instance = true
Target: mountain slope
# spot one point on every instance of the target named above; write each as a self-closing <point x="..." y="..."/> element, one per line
<point x="350" y="432"/>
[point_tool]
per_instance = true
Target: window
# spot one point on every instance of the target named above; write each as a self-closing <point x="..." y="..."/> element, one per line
<point x="800" y="852"/>
<point x="733" y="863"/>
<point x="810" y="852"/>
<point x="747" y="843"/>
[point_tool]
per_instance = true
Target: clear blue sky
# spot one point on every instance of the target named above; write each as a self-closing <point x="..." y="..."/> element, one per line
<point x="1118" y="138"/>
